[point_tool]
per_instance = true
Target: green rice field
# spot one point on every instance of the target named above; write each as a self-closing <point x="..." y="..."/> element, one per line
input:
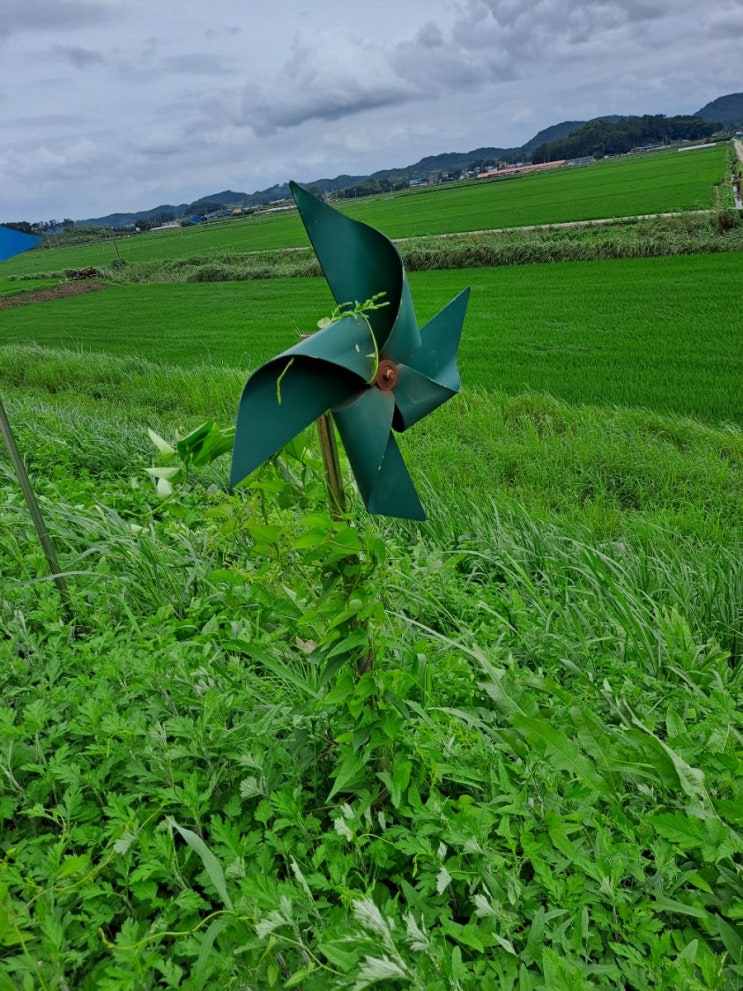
<point x="652" y="333"/>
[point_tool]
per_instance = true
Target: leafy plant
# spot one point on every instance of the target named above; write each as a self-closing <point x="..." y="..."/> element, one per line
<point x="200" y="447"/>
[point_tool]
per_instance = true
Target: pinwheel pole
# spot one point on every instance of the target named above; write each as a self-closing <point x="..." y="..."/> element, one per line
<point x="332" y="465"/>
<point x="12" y="243"/>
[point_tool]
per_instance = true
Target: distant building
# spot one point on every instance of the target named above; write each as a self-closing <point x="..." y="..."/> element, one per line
<point x="709" y="144"/>
<point x="518" y="169"/>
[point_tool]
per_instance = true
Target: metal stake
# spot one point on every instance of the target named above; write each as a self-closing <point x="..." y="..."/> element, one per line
<point x="36" y="516"/>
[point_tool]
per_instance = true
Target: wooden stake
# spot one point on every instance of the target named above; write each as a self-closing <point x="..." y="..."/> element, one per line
<point x="332" y="465"/>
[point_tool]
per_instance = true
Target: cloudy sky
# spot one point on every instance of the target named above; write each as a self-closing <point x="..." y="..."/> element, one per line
<point x="122" y="105"/>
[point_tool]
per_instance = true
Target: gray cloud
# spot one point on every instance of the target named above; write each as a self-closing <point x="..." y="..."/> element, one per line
<point x="66" y="15"/>
<point x="325" y="82"/>
<point x="329" y="104"/>
<point x="488" y="42"/>
<point x="195" y="64"/>
<point x="81" y="58"/>
<point x="45" y="121"/>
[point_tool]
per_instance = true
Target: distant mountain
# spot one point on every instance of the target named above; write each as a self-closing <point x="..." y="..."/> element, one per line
<point x="727" y="110"/>
<point x="431" y="165"/>
<point x="159" y="214"/>
<point x="227" y="198"/>
<point x="451" y="161"/>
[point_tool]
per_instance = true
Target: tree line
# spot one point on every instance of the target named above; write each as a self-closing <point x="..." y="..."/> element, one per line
<point x="599" y="137"/>
<point x="40" y="227"/>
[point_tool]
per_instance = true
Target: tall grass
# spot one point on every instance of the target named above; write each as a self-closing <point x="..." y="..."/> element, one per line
<point x="624" y="473"/>
<point x="559" y="726"/>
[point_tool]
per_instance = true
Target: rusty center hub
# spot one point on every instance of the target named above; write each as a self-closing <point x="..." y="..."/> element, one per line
<point x="387" y="375"/>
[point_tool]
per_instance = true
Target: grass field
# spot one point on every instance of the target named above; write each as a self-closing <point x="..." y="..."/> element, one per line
<point x="625" y="333"/>
<point x="656" y="183"/>
<point x="12" y="287"/>
<point x="257" y="746"/>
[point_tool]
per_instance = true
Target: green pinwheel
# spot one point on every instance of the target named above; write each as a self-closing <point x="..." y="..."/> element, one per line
<point x="375" y="370"/>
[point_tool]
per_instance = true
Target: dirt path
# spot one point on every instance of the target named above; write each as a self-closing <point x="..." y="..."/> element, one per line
<point x="62" y="291"/>
<point x="737" y="184"/>
<point x="602" y="221"/>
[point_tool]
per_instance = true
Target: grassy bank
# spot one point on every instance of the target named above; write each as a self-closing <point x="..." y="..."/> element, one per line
<point x="546" y="792"/>
<point x="689" y="234"/>
<point x="615" y="469"/>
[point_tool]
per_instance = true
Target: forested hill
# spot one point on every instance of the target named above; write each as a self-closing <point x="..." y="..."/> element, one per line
<point x="604" y="137"/>
<point x="726" y="110"/>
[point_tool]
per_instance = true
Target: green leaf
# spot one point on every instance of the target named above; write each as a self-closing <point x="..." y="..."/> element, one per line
<point x="338" y="955"/>
<point x="464" y="935"/>
<point x="215" y="928"/>
<point x="206" y="443"/>
<point x="296" y="979"/>
<point x="164" y="471"/>
<point x="160" y="443"/>
<point x="355" y="639"/>
<point x="732" y="937"/>
<point x="211" y="865"/>
<point x="164" y="488"/>
<point x="687" y="833"/>
<point x="349" y="772"/>
<point x="681" y="908"/>
<point x="568" y="756"/>
<point x="691" y="779"/>
<point x="731" y="809"/>
<point x="716" y="839"/>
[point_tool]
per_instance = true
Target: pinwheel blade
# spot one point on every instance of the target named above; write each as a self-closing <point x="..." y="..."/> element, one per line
<point x="416" y="396"/>
<point x="364" y="425"/>
<point x="437" y="356"/>
<point x="346" y="343"/>
<point x="359" y="262"/>
<point x="14" y="242"/>
<point x="383" y="480"/>
<point x="279" y="401"/>
<point x="394" y="494"/>
<point x="287" y="393"/>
